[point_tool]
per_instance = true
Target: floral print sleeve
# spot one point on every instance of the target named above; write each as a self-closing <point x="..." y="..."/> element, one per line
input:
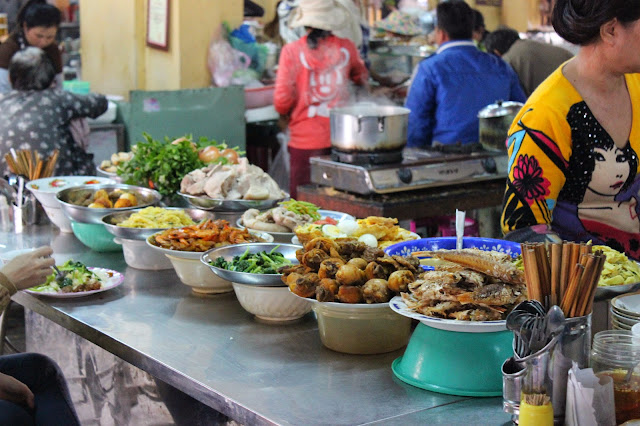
<point x="537" y="168"/>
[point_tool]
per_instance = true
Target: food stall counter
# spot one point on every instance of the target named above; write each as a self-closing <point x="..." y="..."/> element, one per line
<point x="213" y="350"/>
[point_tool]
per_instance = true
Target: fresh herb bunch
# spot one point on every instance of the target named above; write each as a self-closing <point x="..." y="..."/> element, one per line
<point x="259" y="263"/>
<point x="301" y="207"/>
<point x="161" y="165"/>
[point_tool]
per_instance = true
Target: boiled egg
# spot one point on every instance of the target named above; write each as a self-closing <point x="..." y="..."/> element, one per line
<point x="347" y="226"/>
<point x="332" y="231"/>
<point x="369" y="240"/>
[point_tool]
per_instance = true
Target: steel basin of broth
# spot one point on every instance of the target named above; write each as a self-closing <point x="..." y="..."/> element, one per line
<point x="626" y="395"/>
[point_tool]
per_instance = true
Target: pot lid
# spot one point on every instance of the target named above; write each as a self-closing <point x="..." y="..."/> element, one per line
<point x="500" y="109"/>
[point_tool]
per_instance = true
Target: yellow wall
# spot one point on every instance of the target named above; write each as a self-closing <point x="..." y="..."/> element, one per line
<point x="115" y="58"/>
<point x="520" y="14"/>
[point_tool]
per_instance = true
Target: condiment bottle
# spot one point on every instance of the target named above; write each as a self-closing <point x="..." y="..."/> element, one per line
<point x="5" y="216"/>
<point x="616" y="353"/>
<point x="535" y="415"/>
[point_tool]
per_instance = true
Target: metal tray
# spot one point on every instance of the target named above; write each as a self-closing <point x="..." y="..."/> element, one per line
<point x="263" y="280"/>
<point x="206" y="203"/>
<point x="111" y="220"/>
<point x="83" y="214"/>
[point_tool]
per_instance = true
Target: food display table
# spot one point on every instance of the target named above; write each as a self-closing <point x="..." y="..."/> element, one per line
<point x="213" y="350"/>
<point x="410" y="204"/>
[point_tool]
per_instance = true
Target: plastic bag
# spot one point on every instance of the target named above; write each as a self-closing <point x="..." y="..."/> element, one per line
<point x="224" y="61"/>
<point x="242" y="40"/>
<point x="279" y="169"/>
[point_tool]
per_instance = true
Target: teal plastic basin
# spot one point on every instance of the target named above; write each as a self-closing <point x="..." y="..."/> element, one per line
<point x="455" y="363"/>
<point x="95" y="236"/>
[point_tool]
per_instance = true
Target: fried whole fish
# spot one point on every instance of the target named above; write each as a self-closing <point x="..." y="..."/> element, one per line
<point x="493" y="264"/>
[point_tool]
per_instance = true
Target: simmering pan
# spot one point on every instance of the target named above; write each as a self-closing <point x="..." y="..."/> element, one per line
<point x="367" y="127"/>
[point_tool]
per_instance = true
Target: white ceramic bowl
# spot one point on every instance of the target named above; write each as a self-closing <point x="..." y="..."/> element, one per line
<point x="45" y="192"/>
<point x="58" y="218"/>
<point x="271" y="303"/>
<point x="139" y="255"/>
<point x="197" y="275"/>
<point x="193" y="272"/>
<point x="45" y="189"/>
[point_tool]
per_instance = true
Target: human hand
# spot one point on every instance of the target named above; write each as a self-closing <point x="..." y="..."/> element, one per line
<point x="12" y="389"/>
<point x="29" y="269"/>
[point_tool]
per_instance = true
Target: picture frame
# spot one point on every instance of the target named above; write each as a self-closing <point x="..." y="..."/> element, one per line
<point x="158" y="24"/>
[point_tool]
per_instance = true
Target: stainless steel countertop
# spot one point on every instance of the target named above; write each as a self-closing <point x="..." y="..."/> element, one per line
<point x="215" y="351"/>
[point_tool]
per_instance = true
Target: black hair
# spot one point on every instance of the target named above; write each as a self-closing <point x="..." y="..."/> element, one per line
<point x="579" y="21"/>
<point x="38" y="13"/>
<point x="501" y="40"/>
<point x="478" y="20"/>
<point x="456" y="19"/>
<point x="586" y="136"/>
<point x="31" y="69"/>
<point x="315" y="36"/>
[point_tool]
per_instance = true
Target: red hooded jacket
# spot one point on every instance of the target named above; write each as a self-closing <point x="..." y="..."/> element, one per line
<point x="310" y="82"/>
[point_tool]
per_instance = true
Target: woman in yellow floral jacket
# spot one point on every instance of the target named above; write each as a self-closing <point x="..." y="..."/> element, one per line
<point x="573" y="147"/>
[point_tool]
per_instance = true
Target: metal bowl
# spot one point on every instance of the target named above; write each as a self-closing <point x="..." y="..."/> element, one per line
<point x="285" y="237"/>
<point x="195" y="255"/>
<point x="611" y="291"/>
<point x="206" y="203"/>
<point x="111" y="221"/>
<point x="83" y="214"/>
<point x="229" y="252"/>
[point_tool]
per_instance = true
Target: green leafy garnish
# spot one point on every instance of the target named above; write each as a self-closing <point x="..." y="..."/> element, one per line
<point x="161" y="165"/>
<point x="259" y="263"/>
<point x="301" y="207"/>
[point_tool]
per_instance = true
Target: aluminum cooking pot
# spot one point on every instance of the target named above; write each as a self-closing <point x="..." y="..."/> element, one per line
<point x="367" y="127"/>
<point x="495" y="121"/>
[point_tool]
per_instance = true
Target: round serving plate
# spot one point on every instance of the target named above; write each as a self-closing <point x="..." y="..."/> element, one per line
<point x="399" y="306"/>
<point x="449" y="243"/>
<point x="111" y="220"/>
<point x="231" y="251"/>
<point x="45" y="189"/>
<point x="286" y="237"/>
<point x="206" y="203"/>
<point x="146" y="196"/>
<point x="113" y="281"/>
<point x="110" y="175"/>
<point x="627" y="304"/>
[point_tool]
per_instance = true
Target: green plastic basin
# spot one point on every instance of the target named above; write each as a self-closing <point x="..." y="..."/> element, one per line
<point x="95" y="236"/>
<point x="455" y="363"/>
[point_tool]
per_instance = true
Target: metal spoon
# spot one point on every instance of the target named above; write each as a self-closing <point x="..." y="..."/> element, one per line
<point x="59" y="274"/>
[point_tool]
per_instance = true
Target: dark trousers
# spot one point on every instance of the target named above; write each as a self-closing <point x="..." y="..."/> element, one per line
<point x="42" y="375"/>
<point x="299" y="168"/>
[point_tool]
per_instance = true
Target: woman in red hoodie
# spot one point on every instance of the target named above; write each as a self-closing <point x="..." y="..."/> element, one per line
<point x="314" y="75"/>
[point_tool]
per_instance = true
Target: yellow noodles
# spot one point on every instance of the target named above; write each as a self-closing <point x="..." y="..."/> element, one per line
<point x="618" y="269"/>
<point x="157" y="217"/>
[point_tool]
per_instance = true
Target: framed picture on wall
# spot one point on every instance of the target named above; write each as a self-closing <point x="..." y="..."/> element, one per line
<point x="158" y="24"/>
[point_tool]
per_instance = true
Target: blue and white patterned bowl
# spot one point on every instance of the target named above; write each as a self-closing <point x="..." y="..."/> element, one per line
<point x="449" y="243"/>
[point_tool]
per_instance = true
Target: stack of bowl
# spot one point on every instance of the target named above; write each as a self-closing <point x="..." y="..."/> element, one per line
<point x="45" y="190"/>
<point x="86" y="222"/>
<point x="137" y="253"/>
<point x="625" y="311"/>
<point x="263" y="295"/>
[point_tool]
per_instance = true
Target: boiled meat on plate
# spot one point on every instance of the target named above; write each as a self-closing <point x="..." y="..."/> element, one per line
<point x="242" y="181"/>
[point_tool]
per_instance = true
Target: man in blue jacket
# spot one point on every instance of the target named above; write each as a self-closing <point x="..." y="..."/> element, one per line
<point x="454" y="84"/>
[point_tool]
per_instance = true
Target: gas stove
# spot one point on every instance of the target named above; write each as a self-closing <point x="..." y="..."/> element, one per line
<point x="418" y="169"/>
